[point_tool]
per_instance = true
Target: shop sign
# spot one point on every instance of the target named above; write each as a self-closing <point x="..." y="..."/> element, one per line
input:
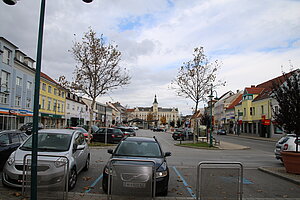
<point x="267" y="122"/>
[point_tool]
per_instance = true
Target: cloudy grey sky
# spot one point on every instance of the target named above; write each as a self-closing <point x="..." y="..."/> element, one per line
<point x="252" y="38"/>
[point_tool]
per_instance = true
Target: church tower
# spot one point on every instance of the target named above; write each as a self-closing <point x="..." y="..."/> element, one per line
<point x="155" y="106"/>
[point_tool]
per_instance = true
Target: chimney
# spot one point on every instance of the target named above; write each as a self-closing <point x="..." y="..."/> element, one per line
<point x="237" y="91"/>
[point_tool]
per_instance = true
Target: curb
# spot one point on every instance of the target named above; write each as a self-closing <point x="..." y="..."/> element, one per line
<point x="278" y="174"/>
<point x="255" y="138"/>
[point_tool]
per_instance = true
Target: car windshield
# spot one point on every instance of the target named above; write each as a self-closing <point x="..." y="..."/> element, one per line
<point x="50" y="142"/>
<point x="138" y="149"/>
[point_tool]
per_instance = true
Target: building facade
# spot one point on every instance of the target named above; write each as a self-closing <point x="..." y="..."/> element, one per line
<point x="77" y="112"/>
<point x="52" y="103"/>
<point x="16" y="90"/>
<point x="155" y="114"/>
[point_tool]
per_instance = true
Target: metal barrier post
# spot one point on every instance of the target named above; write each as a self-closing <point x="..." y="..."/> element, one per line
<point x="112" y="173"/>
<point x="65" y="172"/>
<point x="230" y="178"/>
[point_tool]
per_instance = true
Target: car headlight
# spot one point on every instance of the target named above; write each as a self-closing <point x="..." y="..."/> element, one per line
<point x="61" y="162"/>
<point x="161" y="174"/>
<point x="11" y="160"/>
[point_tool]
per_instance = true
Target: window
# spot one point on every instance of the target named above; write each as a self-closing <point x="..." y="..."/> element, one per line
<point x="54" y="105"/>
<point x="44" y="87"/>
<point x="4" y="79"/>
<point x="276" y="109"/>
<point x="49" y="89"/>
<point x="262" y="110"/>
<point x="49" y="103"/>
<point x="6" y="56"/>
<point x="73" y="107"/>
<point x="252" y="111"/>
<point x="17" y="101"/>
<point x="18" y="81"/>
<point x="58" y="107"/>
<point x="68" y="106"/>
<point x="4" y="98"/>
<point x="62" y="107"/>
<point x="29" y="85"/>
<point x="55" y="91"/>
<point x="28" y="103"/>
<point x="4" y="139"/>
<point x="43" y="102"/>
<point x="63" y="94"/>
<point x="15" y="138"/>
<point x="244" y="111"/>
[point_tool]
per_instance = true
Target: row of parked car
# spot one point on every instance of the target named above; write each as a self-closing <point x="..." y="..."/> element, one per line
<point x="70" y="146"/>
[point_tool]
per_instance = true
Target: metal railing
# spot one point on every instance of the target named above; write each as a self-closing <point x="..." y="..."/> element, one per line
<point x="219" y="180"/>
<point x="131" y="178"/>
<point x="52" y="176"/>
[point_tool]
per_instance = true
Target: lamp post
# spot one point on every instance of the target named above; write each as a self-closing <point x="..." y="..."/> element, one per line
<point x="36" y="96"/>
<point x="211" y="120"/>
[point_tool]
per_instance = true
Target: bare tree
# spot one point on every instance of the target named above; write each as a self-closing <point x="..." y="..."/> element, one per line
<point x="196" y="77"/>
<point x="98" y="71"/>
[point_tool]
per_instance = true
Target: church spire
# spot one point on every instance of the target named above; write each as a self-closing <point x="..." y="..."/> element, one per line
<point x="155" y="100"/>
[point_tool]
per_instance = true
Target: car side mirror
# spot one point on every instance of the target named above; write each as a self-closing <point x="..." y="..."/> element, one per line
<point x="110" y="151"/>
<point x="168" y="154"/>
<point x="80" y="147"/>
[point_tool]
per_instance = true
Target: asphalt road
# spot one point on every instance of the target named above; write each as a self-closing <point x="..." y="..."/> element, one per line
<point x="183" y="163"/>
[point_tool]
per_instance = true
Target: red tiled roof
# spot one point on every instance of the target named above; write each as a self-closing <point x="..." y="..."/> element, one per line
<point x="48" y="78"/>
<point x="130" y="110"/>
<point x="253" y="90"/>
<point x="280" y="79"/>
<point x="235" y="102"/>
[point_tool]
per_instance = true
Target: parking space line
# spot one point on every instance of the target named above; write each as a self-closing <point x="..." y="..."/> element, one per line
<point x="93" y="184"/>
<point x="185" y="183"/>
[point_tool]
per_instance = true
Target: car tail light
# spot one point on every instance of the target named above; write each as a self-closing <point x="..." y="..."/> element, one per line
<point x="285" y="147"/>
<point x="113" y="135"/>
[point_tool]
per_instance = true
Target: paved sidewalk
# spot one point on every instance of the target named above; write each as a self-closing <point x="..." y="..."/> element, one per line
<point x="254" y="137"/>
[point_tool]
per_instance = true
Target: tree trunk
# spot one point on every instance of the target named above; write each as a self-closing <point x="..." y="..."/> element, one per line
<point x="91" y="120"/>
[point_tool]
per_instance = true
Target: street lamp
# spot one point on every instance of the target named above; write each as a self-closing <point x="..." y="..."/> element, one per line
<point x="211" y="121"/>
<point x="36" y="96"/>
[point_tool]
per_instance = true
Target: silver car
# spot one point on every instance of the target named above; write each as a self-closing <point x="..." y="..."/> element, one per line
<point x="286" y="143"/>
<point x="63" y="144"/>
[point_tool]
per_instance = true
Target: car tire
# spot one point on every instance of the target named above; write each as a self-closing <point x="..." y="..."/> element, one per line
<point x="164" y="193"/>
<point x="87" y="164"/>
<point x="72" y="178"/>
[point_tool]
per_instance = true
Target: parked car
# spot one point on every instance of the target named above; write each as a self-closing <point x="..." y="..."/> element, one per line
<point x="27" y="128"/>
<point x="114" y="135"/>
<point x="157" y="129"/>
<point x="51" y="170"/>
<point x="286" y="143"/>
<point x="94" y="128"/>
<point x="142" y="148"/>
<point x="182" y="134"/>
<point x="128" y="131"/>
<point x="221" y="132"/>
<point x="10" y="140"/>
<point x="135" y="127"/>
<point x="82" y="130"/>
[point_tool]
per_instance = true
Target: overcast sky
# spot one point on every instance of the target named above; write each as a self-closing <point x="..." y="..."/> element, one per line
<point x="254" y="39"/>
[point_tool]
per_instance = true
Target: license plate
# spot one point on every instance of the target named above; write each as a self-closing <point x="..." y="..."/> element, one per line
<point x="134" y="185"/>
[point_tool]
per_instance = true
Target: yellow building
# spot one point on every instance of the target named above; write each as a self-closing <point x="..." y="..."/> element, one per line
<point x="246" y="111"/>
<point x="52" y="103"/>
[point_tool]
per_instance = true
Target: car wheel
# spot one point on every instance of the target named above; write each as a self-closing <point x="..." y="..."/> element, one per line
<point x="164" y="193"/>
<point x="87" y="163"/>
<point x="72" y="178"/>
